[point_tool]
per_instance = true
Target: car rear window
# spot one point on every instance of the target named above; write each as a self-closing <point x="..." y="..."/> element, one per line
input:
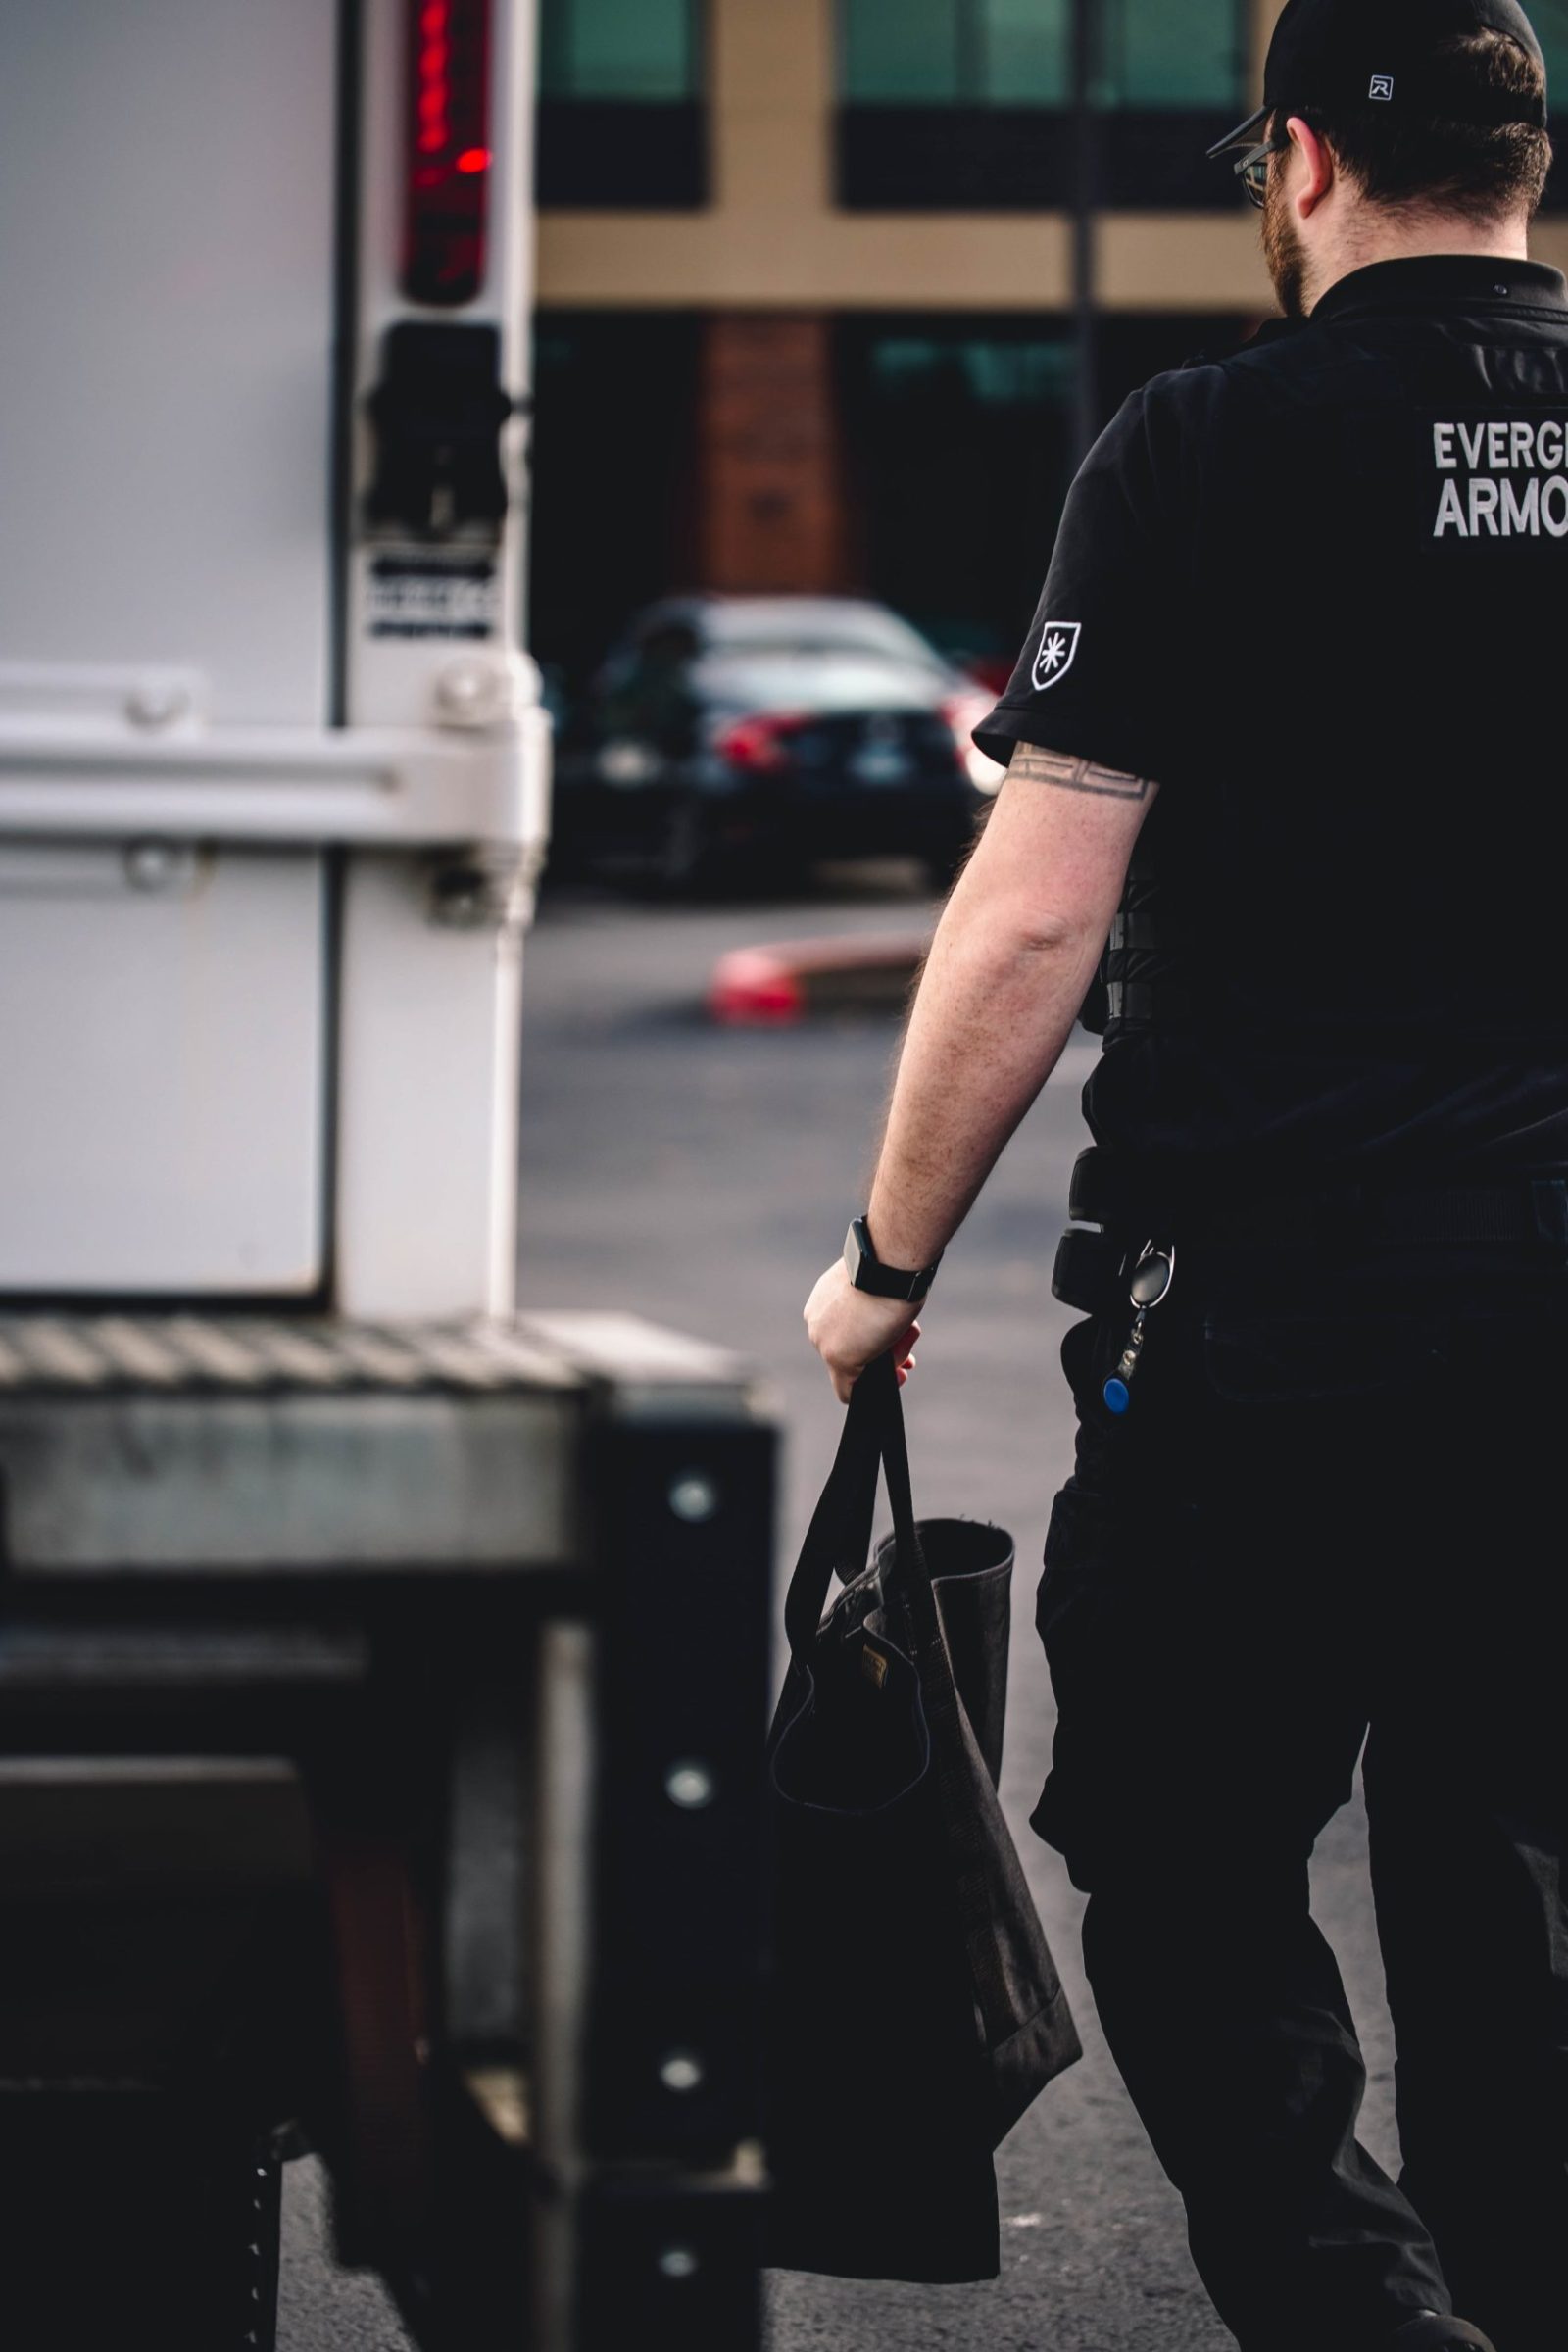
<point x="850" y="629"/>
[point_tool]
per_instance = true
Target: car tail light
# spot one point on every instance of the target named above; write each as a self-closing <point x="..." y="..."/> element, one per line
<point x="761" y="744"/>
<point x="964" y="714"/>
<point x="448" y="150"/>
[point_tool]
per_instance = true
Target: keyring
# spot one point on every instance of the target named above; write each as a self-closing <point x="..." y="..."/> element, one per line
<point x="1154" y="1278"/>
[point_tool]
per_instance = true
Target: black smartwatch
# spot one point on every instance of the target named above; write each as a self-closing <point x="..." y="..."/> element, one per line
<point x="867" y="1273"/>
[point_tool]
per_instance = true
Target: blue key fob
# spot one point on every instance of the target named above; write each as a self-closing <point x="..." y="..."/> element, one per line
<point x="1152" y="1282"/>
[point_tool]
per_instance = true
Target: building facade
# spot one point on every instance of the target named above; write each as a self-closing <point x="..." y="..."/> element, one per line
<point x="807" y="279"/>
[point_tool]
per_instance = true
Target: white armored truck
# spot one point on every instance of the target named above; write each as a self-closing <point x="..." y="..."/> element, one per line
<point x="382" y="1675"/>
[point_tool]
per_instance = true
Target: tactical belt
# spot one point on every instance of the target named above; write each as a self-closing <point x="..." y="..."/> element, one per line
<point x="1091" y="1266"/>
<point x="1137" y="978"/>
<point x="1141" y="1005"/>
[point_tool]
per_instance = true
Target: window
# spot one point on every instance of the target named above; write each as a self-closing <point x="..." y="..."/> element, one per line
<point x="836" y="625"/>
<point x="1019" y="53"/>
<point x="620" y="114"/>
<point x="956" y="105"/>
<point x="1154" y="55"/>
<point x="955" y="52"/>
<point x="1550" y="21"/>
<point x="637" y="50"/>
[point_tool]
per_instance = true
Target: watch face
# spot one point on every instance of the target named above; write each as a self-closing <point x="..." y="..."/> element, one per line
<point x="855" y="1253"/>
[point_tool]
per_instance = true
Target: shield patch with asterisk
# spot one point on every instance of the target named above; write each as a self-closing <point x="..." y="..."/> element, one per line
<point x="1058" y="650"/>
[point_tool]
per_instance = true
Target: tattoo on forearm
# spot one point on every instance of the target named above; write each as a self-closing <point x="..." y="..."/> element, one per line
<point x="1037" y="766"/>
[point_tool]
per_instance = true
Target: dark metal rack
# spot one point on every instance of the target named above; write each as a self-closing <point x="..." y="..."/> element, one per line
<point x="423" y="1672"/>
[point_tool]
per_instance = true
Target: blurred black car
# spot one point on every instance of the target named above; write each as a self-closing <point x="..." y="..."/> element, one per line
<point x="728" y="737"/>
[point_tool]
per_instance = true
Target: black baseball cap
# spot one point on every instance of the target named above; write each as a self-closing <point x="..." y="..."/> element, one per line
<point x="1327" y="55"/>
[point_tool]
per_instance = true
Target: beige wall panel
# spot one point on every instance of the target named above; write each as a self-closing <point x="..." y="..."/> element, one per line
<point x="1183" y="262"/>
<point x="870" y="261"/>
<point x="772" y="84"/>
<point x="954" y="261"/>
<point x="802" y="262"/>
<point x="1548" y="242"/>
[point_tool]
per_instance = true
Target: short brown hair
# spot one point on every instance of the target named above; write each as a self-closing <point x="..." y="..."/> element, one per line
<point x="1476" y="169"/>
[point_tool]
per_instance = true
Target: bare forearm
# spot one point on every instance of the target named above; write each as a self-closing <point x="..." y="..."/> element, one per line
<point x="995" y="1009"/>
<point x="1008" y="970"/>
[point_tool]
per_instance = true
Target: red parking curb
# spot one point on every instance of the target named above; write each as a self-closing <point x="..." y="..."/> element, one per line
<point x="778" y="987"/>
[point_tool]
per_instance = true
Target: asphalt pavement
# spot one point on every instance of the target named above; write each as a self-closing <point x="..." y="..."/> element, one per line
<point x="704" y="1177"/>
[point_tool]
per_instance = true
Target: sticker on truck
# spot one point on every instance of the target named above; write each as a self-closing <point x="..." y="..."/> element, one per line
<point x="433" y="596"/>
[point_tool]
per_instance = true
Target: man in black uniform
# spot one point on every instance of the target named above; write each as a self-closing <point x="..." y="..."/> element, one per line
<point x="1283" y="733"/>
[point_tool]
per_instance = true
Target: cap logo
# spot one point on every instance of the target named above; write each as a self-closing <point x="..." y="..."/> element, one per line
<point x="1382" y="86"/>
<point x="1059" y="651"/>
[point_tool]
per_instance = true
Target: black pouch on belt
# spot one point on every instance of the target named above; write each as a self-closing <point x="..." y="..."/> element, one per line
<point x="1091" y="1271"/>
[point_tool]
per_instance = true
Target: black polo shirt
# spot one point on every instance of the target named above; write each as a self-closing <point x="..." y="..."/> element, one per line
<point x="1318" y="592"/>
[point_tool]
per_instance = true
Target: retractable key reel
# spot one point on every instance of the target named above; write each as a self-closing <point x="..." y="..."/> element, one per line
<point x="1152" y="1282"/>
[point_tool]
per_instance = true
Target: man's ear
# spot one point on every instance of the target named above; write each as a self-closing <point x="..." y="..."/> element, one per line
<point x="1315" y="171"/>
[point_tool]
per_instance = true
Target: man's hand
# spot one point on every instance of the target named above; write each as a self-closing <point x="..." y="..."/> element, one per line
<point x="850" y="1330"/>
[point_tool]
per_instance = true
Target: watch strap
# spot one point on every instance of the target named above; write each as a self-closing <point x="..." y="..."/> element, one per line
<point x="868" y="1274"/>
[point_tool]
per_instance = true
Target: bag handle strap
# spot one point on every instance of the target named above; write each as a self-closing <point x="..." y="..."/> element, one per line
<point x="839" y="1539"/>
<point x="914" y="1573"/>
<point x="889" y="1405"/>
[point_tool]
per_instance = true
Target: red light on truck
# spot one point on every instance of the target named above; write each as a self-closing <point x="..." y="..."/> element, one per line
<point x="447" y="150"/>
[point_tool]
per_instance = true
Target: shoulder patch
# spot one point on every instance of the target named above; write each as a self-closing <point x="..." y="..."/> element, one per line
<point x="1059" y="651"/>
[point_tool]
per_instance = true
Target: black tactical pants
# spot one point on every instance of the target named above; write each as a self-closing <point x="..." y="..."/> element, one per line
<point x="1315" y="1531"/>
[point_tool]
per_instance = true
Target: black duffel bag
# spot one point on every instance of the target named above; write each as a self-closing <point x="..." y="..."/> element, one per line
<point x="916" y="2011"/>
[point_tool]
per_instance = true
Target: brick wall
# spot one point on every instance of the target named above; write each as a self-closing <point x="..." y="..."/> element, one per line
<point x="771" y="501"/>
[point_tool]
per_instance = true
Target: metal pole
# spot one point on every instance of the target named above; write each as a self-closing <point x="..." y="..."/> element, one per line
<point x="1085" y="207"/>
